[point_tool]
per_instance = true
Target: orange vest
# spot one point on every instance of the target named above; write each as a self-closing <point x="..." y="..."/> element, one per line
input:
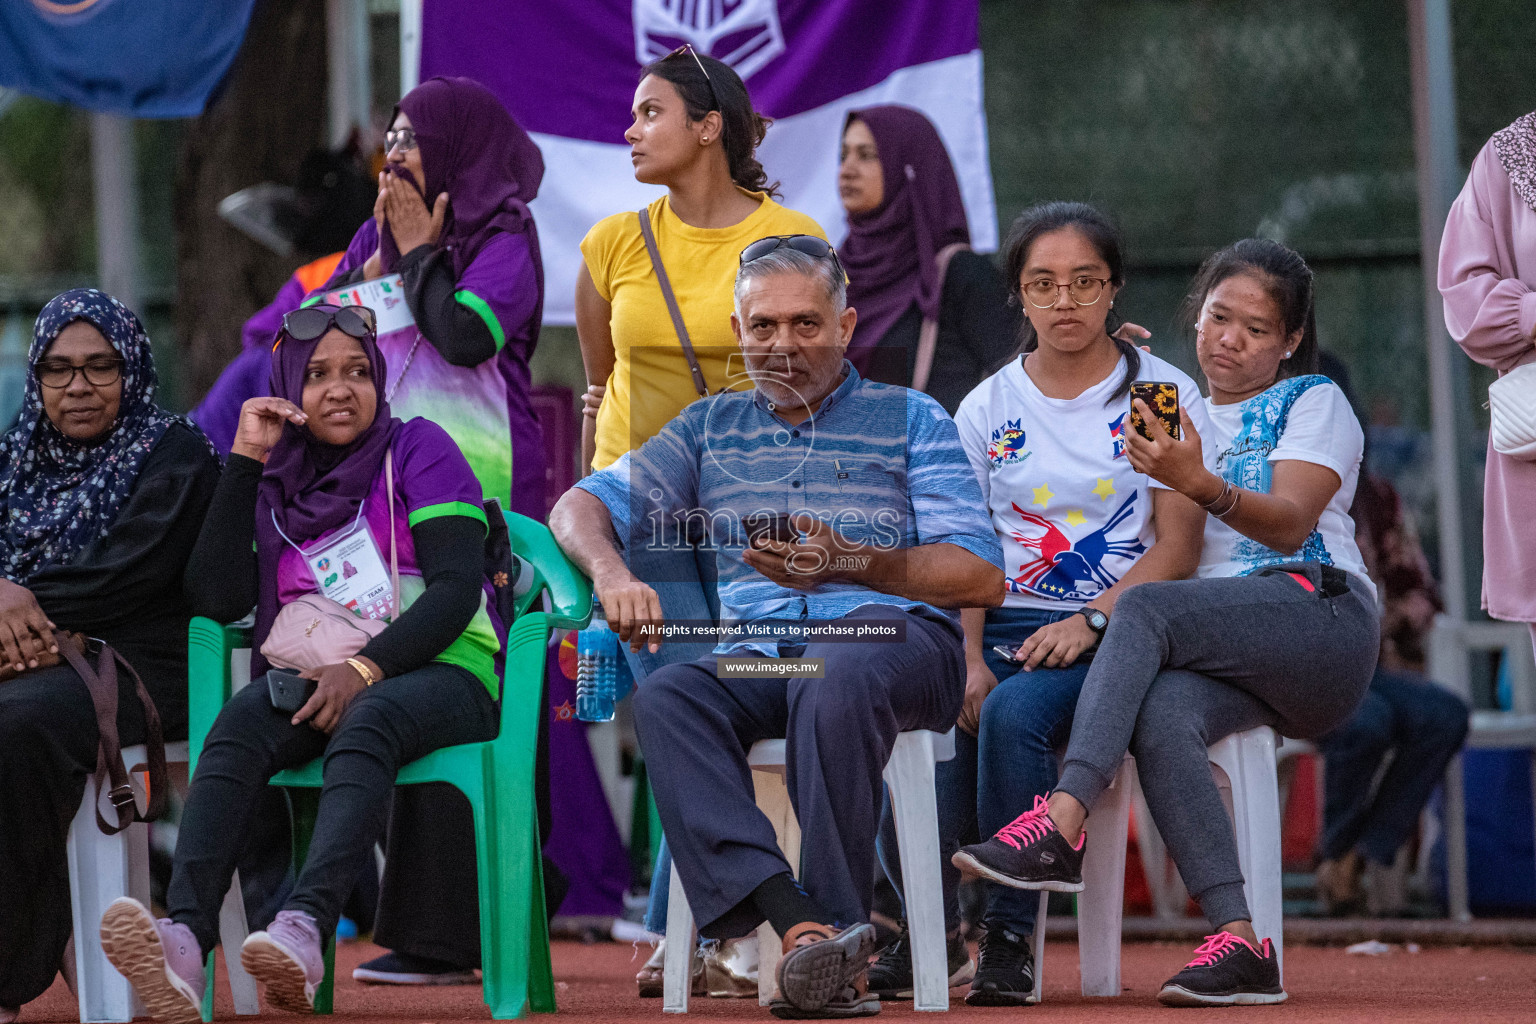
<point x="313" y="275"/>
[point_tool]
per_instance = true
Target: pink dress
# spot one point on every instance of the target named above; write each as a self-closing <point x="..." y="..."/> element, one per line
<point x="1487" y="276"/>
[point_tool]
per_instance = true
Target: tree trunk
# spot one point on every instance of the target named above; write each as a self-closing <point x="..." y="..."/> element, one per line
<point x="270" y="111"/>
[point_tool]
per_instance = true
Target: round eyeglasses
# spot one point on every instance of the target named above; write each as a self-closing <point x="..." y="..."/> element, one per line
<point x="403" y="138"/>
<point x="1083" y="290"/>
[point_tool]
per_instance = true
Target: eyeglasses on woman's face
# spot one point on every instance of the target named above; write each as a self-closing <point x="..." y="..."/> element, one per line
<point x="98" y="371"/>
<point x="404" y="138"/>
<point x="1083" y="290"/>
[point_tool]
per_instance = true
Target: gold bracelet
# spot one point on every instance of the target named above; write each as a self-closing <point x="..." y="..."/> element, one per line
<point x="363" y="670"/>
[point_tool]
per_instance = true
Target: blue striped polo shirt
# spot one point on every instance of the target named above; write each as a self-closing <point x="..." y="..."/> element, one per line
<point x="882" y="464"/>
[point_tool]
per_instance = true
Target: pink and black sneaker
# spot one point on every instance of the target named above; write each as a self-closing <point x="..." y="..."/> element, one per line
<point x="1226" y="971"/>
<point x="1027" y="853"/>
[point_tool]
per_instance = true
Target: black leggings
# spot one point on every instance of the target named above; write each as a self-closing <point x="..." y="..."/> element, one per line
<point x="384" y="728"/>
<point x="47" y="752"/>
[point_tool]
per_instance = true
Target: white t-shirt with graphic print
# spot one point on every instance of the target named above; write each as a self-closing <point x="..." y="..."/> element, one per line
<point x="1071" y="513"/>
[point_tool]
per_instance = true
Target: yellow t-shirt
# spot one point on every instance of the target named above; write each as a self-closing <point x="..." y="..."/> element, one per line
<point x="651" y="382"/>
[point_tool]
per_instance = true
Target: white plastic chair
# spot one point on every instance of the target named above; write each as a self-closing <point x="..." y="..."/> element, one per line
<point x="1244" y="765"/>
<point x="102" y="868"/>
<point x="1449" y="644"/>
<point x="1169" y="897"/>
<point x="909" y="774"/>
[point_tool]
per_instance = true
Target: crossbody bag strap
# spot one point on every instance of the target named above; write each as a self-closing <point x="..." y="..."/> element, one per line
<point x="928" y="335"/>
<point x="394" y="551"/>
<point x="672" y="307"/>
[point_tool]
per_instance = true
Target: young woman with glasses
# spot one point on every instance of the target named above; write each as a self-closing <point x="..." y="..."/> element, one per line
<point x="695" y="132"/>
<point x="1079" y="525"/>
<point x="101" y="495"/>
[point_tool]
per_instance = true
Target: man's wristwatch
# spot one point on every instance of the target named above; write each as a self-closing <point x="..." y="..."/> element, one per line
<point x="1097" y="620"/>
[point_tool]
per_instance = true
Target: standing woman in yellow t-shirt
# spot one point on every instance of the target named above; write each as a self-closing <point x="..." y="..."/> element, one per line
<point x="695" y="132"/>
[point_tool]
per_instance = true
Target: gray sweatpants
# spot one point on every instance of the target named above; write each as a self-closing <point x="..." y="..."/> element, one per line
<point x="1187" y="662"/>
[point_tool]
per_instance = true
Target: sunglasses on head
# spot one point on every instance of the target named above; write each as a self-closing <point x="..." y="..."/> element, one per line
<point x="820" y="248"/>
<point x="311" y="322"/>
<point x="708" y="82"/>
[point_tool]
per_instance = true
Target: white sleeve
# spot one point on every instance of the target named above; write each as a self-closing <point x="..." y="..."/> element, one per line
<point x="974" y="441"/>
<point x="1200" y="419"/>
<point x="1322" y="429"/>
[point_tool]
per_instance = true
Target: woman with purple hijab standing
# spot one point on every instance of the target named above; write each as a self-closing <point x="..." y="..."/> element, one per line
<point x="452" y="220"/>
<point x="933" y="314"/>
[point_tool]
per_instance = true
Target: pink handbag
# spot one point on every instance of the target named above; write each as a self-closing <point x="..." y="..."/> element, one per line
<point x="313" y="631"/>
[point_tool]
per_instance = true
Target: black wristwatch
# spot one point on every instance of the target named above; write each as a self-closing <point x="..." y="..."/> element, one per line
<point x="1097" y="620"/>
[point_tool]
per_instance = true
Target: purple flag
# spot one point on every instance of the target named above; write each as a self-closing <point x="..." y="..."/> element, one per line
<point x="567" y="70"/>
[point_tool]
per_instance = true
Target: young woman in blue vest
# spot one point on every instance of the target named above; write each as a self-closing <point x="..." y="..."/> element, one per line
<point x="1279" y="628"/>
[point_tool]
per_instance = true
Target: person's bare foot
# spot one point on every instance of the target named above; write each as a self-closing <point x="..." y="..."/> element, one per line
<point x="1338" y="883"/>
<point x="650" y="981"/>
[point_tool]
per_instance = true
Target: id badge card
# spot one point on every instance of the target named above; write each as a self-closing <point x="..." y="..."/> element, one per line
<point x="349" y="570"/>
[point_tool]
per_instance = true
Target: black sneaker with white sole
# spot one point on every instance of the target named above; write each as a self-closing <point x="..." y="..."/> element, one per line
<point x="1027" y="853"/>
<point x="890" y="976"/>
<point x="1006" y="976"/>
<point x="1226" y="971"/>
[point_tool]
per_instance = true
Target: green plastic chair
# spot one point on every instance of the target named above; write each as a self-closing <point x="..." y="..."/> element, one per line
<point x="497" y="777"/>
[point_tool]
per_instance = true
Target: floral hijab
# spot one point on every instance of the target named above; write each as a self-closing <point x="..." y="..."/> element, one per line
<point x="1516" y="146"/>
<point x="57" y="496"/>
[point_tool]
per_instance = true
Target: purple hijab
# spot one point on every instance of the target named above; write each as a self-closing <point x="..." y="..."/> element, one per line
<point x="890" y="251"/>
<point x="309" y="487"/>
<point x="473" y="150"/>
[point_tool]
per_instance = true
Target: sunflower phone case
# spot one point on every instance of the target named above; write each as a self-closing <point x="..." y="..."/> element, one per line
<point x="1163" y="399"/>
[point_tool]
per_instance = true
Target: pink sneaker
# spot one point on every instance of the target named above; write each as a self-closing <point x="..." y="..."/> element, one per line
<point x="286" y="958"/>
<point x="1028" y="853"/>
<point x="161" y="960"/>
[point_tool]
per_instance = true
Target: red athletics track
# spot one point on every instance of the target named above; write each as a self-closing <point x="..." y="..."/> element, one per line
<point x="1496" y="983"/>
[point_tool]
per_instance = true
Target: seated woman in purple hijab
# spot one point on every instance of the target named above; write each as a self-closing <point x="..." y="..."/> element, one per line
<point x="313" y="466"/>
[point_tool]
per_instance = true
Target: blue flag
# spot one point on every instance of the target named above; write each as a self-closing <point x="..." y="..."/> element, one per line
<point x="142" y="58"/>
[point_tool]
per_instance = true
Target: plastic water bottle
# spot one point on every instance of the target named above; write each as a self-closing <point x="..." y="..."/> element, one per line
<point x="602" y="672"/>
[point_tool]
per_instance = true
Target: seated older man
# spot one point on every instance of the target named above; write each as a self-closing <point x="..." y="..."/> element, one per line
<point x="847" y="527"/>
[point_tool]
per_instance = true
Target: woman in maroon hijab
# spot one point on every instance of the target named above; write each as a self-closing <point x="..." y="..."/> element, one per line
<point x="933" y="314"/>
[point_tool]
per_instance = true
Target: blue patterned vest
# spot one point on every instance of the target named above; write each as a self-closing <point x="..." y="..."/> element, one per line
<point x="1245" y="463"/>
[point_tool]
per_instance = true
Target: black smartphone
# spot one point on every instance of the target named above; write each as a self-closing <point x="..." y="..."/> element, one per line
<point x="288" y="690"/>
<point x="1163" y="399"/>
<point x="769" y="526"/>
<point x="1007" y="653"/>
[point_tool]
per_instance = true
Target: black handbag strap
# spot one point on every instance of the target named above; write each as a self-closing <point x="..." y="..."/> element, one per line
<point x="672" y="307"/>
